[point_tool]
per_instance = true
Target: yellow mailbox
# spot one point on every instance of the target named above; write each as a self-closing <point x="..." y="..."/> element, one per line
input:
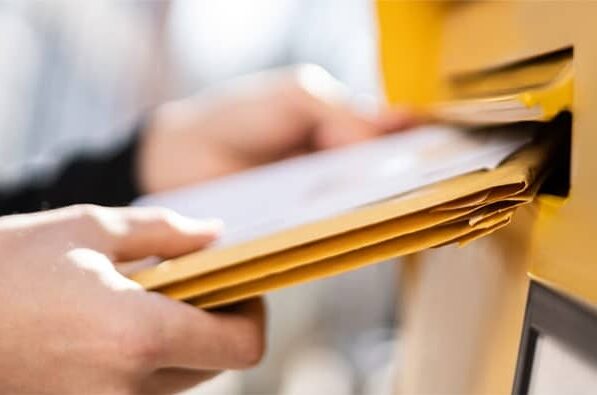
<point x="465" y="329"/>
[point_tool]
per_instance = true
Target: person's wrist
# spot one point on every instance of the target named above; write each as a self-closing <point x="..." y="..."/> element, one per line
<point x="146" y="152"/>
<point x="157" y="145"/>
<point x="173" y="152"/>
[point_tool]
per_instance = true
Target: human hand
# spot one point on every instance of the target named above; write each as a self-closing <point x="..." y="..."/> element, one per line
<point x="71" y="323"/>
<point x="251" y="121"/>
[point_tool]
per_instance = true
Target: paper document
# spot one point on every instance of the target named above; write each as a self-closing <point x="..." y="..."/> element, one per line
<point x="283" y="195"/>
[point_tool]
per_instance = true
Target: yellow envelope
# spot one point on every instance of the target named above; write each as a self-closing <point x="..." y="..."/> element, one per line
<point x="460" y="210"/>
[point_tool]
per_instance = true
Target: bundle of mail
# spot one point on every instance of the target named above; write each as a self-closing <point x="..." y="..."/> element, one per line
<point x="326" y="213"/>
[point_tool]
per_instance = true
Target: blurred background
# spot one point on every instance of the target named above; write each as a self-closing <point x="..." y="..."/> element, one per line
<point x="76" y="74"/>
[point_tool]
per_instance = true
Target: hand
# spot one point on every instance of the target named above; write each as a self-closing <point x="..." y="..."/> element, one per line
<point x="72" y="324"/>
<point x="251" y="121"/>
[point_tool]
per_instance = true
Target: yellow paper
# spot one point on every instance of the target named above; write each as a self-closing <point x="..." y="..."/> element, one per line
<point x="457" y="210"/>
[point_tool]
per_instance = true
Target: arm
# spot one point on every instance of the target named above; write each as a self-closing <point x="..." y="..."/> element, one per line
<point x="248" y="122"/>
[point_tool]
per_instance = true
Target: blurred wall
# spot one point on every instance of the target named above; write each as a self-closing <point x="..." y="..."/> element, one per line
<point x="76" y="72"/>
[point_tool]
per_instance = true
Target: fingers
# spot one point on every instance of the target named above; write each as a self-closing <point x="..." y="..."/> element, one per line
<point x="196" y="339"/>
<point x="344" y="126"/>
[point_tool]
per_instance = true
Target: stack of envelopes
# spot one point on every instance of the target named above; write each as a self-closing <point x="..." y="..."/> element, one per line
<point x="451" y="209"/>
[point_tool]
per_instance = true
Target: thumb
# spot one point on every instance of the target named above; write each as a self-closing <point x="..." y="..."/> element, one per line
<point x="160" y="232"/>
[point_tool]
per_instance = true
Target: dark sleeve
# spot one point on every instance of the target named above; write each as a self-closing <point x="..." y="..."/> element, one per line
<point x="107" y="179"/>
